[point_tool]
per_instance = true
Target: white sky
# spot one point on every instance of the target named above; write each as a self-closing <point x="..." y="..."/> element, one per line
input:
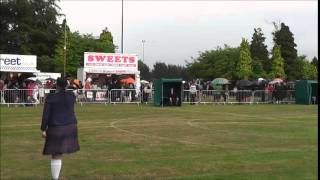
<point x="176" y="30"/>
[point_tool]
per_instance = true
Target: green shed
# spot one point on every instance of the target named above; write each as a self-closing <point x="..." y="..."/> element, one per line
<point x="306" y="92"/>
<point x="163" y="89"/>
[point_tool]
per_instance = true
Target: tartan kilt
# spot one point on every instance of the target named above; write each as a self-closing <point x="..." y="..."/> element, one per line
<point x="61" y="139"/>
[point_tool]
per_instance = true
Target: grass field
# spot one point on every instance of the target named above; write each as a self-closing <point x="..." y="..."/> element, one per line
<point x="188" y="142"/>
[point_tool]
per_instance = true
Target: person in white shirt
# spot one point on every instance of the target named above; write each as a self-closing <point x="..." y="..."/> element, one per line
<point x="193" y="92"/>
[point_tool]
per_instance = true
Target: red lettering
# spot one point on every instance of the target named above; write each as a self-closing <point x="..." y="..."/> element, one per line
<point x="110" y="58"/>
<point x="131" y="60"/>
<point x="117" y="59"/>
<point x="100" y="58"/>
<point x="125" y="59"/>
<point x="90" y="58"/>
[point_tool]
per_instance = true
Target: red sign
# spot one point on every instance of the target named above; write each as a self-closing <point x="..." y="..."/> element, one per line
<point x="111" y="61"/>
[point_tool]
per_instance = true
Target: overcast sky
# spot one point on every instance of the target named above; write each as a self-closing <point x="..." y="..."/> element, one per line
<point x="175" y="31"/>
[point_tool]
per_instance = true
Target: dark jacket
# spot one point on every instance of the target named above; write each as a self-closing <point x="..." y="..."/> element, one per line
<point x="58" y="110"/>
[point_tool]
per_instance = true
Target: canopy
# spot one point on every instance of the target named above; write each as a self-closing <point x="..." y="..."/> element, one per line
<point x="220" y="81"/>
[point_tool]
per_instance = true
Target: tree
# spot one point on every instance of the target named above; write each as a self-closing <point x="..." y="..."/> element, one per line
<point x="259" y="52"/>
<point x="77" y="44"/>
<point x="162" y="70"/>
<point x="277" y="68"/>
<point x="244" y="67"/>
<point x="30" y="27"/>
<point x="159" y="70"/>
<point x="284" y="38"/>
<point x="144" y="71"/>
<point x="257" y="69"/>
<point x="315" y="62"/>
<point x="107" y="41"/>
<point x="220" y="62"/>
<point x="308" y="69"/>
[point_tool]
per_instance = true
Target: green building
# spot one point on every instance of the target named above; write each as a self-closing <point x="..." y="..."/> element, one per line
<point x="306" y="92"/>
<point x="163" y="88"/>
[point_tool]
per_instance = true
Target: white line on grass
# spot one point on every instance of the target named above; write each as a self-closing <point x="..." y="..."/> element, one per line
<point x="112" y="124"/>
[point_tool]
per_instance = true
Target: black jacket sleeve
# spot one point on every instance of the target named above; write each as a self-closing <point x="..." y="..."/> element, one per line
<point x="45" y="116"/>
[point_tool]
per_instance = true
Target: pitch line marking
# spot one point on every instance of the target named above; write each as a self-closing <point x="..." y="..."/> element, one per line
<point x="112" y="124"/>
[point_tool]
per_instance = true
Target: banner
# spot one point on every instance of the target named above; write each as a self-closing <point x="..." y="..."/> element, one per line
<point x="111" y="61"/>
<point x="18" y="63"/>
<point x="101" y="96"/>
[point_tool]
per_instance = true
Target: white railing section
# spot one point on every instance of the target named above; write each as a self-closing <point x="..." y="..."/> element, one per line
<point x="29" y="97"/>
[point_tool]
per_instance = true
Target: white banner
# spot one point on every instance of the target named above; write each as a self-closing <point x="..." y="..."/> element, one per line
<point x="101" y="96"/>
<point x="18" y="63"/>
<point x="111" y="61"/>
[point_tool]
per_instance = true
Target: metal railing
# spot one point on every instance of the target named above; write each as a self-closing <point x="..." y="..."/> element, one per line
<point x="24" y="97"/>
<point x="147" y="96"/>
<point x="98" y="96"/>
<point x="191" y="97"/>
<point x="125" y="96"/>
<point x="128" y="96"/>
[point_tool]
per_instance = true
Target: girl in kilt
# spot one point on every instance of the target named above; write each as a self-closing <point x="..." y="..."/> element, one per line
<point x="59" y="126"/>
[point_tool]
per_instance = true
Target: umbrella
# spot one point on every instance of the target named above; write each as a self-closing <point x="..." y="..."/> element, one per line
<point x="220" y="81"/>
<point x="76" y="82"/>
<point x="256" y="83"/>
<point x="31" y="79"/>
<point x="50" y="79"/>
<point x="34" y="79"/>
<point x="144" y="82"/>
<point x="261" y="79"/>
<point x="259" y="82"/>
<point x="243" y="83"/>
<point x="276" y="80"/>
<point x="128" y="80"/>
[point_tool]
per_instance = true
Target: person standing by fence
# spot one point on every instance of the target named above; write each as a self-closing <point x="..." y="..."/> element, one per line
<point x="193" y="92"/>
<point x="59" y="126"/>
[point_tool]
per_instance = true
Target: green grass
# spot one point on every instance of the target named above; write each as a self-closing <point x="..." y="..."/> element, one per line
<point x="178" y="143"/>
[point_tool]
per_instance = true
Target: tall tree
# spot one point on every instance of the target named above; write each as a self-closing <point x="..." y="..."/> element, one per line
<point x="30" y="27"/>
<point x="257" y="69"/>
<point x="284" y="37"/>
<point x="277" y="68"/>
<point x="244" y="67"/>
<point x="259" y="51"/>
<point x="308" y="70"/>
<point x="315" y="62"/>
<point x="107" y="41"/>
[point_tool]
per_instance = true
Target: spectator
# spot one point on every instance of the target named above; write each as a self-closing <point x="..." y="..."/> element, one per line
<point x="193" y="92"/>
<point x="173" y="97"/>
<point x="147" y="92"/>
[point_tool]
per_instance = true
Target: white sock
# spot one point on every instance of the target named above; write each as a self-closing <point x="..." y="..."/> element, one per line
<point x="55" y="168"/>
